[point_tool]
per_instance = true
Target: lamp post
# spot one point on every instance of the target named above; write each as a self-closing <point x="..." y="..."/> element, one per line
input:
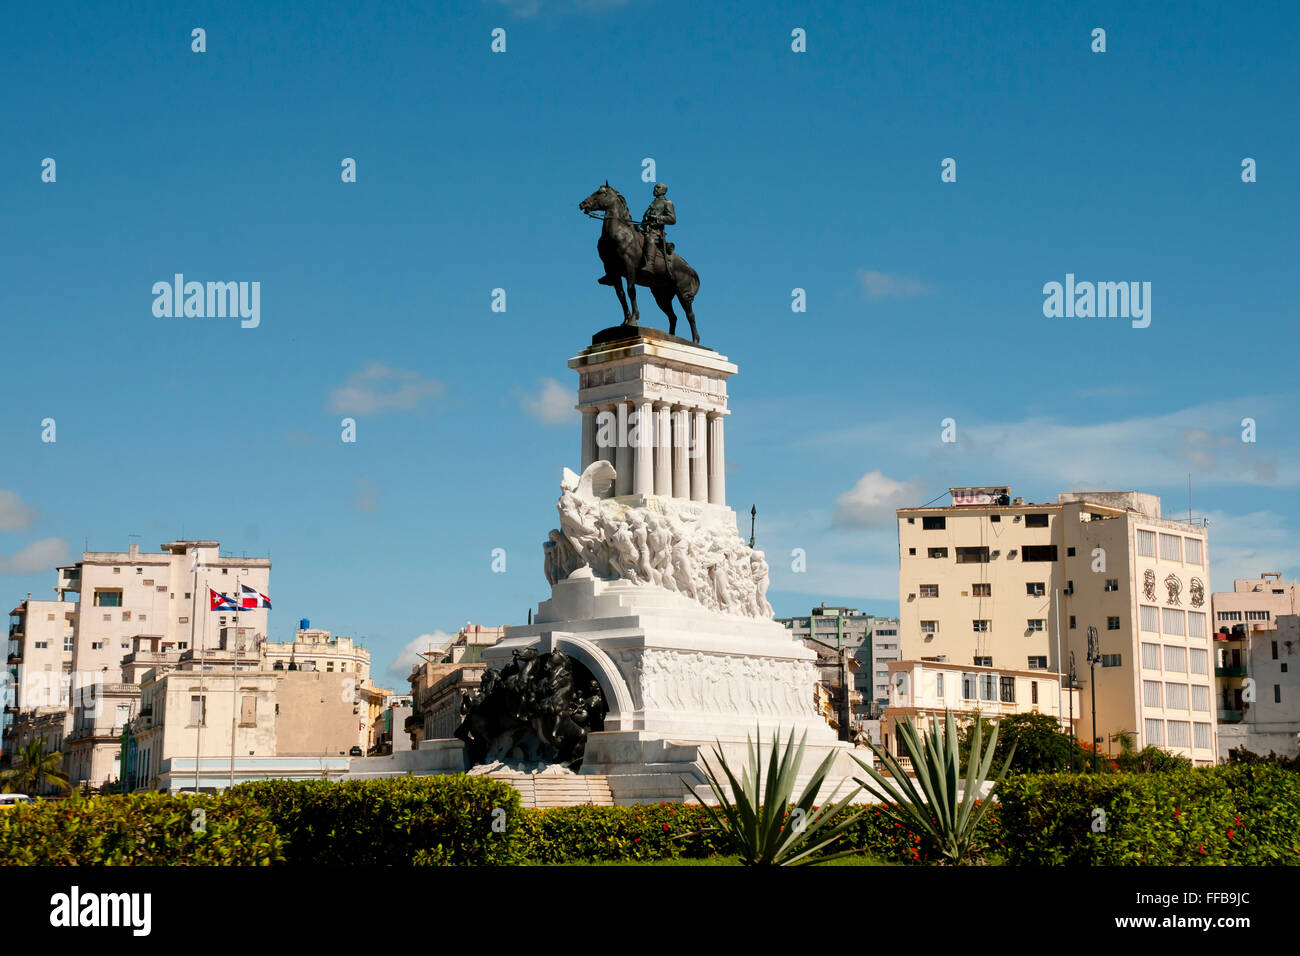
<point x="1073" y="742"/>
<point x="753" y="515"/>
<point x="1094" y="655"/>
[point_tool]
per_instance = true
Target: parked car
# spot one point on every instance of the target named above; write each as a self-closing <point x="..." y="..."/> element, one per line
<point x="10" y="800"/>
<point x="355" y="752"/>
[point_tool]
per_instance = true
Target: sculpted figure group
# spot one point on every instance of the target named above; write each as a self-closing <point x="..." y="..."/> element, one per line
<point x="678" y="548"/>
<point x="539" y="708"/>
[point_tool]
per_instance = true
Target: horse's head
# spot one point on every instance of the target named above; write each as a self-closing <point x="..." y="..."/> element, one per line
<point x="602" y="199"/>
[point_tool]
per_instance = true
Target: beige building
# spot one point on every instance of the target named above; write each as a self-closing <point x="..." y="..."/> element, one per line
<point x="1256" y="640"/>
<point x="211" y="720"/>
<point x="922" y="690"/>
<point x="994" y="582"/>
<point x="443" y="676"/>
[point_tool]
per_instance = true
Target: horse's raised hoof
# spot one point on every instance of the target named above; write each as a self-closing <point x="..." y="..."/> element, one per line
<point x="605" y="280"/>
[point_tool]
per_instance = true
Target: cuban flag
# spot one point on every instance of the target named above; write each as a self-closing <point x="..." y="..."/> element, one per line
<point x="220" y="602"/>
<point x="250" y="599"/>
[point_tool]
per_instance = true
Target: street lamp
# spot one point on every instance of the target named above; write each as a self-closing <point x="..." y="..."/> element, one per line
<point x="1094" y="655"/>
<point x="753" y="514"/>
<point x="1073" y="677"/>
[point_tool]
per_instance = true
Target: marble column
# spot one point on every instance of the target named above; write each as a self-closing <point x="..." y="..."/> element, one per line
<point x="589" y="451"/>
<point x="698" y="453"/>
<point x="681" y="448"/>
<point x="663" y="450"/>
<point x="623" y="454"/>
<point x="643" y="452"/>
<point x="717" y="461"/>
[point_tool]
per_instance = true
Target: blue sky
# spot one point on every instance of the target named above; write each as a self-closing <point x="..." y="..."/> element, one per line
<point x="816" y="170"/>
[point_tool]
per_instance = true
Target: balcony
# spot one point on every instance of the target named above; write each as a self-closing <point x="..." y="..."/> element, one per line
<point x="1232" y="671"/>
<point x="1231" y="716"/>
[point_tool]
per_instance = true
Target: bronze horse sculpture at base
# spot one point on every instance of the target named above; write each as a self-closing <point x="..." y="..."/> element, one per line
<point x="621" y="247"/>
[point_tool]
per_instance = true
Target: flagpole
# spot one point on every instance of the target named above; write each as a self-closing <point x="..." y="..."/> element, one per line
<point x="234" y="688"/>
<point x="203" y="704"/>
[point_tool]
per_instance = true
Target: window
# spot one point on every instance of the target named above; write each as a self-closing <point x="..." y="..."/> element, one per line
<point x="934" y="523"/>
<point x="1201" y="736"/>
<point x="161" y="587"/>
<point x="983" y="662"/>
<point x="1171" y="548"/>
<point x="1275" y="650"/>
<point x="225" y="570"/>
<point x="911" y="552"/>
<point x="1154" y="731"/>
<point x="1176" y="696"/>
<point x="67" y="642"/>
<point x="929" y="627"/>
<point x="1192" y="550"/>
<point x="988" y="686"/>
<point x="995" y="518"/>
<point x="1257" y="615"/>
<point x="1073" y="624"/>
<point x="1112" y="624"/>
<point x="1038" y="662"/>
<point x="1200" y="697"/>
<point x="1151" y="693"/>
<point x="1035" y="588"/>
<point x="1175" y="659"/>
<point x="972" y="555"/>
<point x="968" y="686"/>
<point x="1035" y="521"/>
<point x="1036" y="624"/>
<point x="248" y="711"/>
<point x="1195" y="624"/>
<point x="1199" y="661"/>
<point x="1146" y="543"/>
<point x="1149" y="618"/>
<point x="198" y="711"/>
<point x="96" y="645"/>
<point x="41" y="645"/>
<point x="108" y="598"/>
<point x="1179" y="735"/>
<point x="117" y="570"/>
<point x="1112" y="660"/>
<point x="126" y="615"/>
<point x="1151" y="656"/>
<point x="108" y="617"/>
<point x="982" y="590"/>
<point x="329" y="667"/>
<point x="929" y="590"/>
<point x="139" y="570"/>
<point x="937" y="552"/>
<point x="183" y="620"/>
<point x="1069" y="586"/>
<point x="1229" y="615"/>
<point x="1033" y="691"/>
<point x="1112" y="584"/>
<point x="938" y="686"/>
<point x="1277" y="693"/>
<point x="1171" y="621"/>
<point x="1007" y="690"/>
<point x="1038" y="552"/>
<point x="187" y="595"/>
<point x="980" y="627"/>
<point x="1069" y="552"/>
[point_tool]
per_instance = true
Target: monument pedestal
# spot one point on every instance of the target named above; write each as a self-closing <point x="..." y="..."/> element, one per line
<point x="679" y="681"/>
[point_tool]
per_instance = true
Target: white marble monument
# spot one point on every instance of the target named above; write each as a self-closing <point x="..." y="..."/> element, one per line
<point x="653" y="589"/>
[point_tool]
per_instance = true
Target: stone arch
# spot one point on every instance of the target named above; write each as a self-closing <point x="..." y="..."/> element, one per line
<point x="602" y="667"/>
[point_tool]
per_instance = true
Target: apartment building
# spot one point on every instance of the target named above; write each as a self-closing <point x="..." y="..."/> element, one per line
<point x="313" y="649"/>
<point x="832" y="627"/>
<point x="922" y="690"/>
<point x="992" y="581"/>
<point x="1256" y="641"/>
<point x="443" y="676"/>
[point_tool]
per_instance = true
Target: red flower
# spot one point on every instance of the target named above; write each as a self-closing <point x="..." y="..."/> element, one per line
<point x="1177" y="812"/>
<point x="1238" y="819"/>
<point x="1230" y="832"/>
<point x="1202" y="849"/>
<point x="636" y="840"/>
<point x="667" y="828"/>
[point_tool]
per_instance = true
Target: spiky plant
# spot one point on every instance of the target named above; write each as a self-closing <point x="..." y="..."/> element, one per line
<point x="757" y="824"/>
<point x="935" y="806"/>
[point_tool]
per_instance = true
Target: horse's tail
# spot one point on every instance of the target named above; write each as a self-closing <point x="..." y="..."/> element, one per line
<point x="690" y="282"/>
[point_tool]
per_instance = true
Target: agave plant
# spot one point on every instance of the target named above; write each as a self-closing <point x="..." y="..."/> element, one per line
<point x="948" y="815"/>
<point x="757" y="823"/>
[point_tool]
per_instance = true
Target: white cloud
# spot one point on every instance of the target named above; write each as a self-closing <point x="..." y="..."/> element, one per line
<point x="43" y="555"/>
<point x="552" y="404"/>
<point x="379" y="388"/>
<point x="14" y="514"/>
<point x="1243" y="545"/>
<point x="883" y="285"/>
<point x="400" y="668"/>
<point x="873" y="501"/>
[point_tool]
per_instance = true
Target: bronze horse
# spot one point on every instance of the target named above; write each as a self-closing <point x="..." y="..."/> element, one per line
<point x="620" y="249"/>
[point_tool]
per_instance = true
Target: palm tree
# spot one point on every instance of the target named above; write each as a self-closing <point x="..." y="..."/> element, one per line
<point x="35" y="770"/>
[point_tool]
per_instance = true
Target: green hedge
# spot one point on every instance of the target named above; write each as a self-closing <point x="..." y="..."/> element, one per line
<point x="402" y="821"/>
<point x="1225" y="815"/>
<point x="141" y="829"/>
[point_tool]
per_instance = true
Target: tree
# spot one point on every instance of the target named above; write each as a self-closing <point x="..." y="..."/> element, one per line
<point x="1040" y="745"/>
<point x="1151" y="760"/>
<point x="36" y="768"/>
